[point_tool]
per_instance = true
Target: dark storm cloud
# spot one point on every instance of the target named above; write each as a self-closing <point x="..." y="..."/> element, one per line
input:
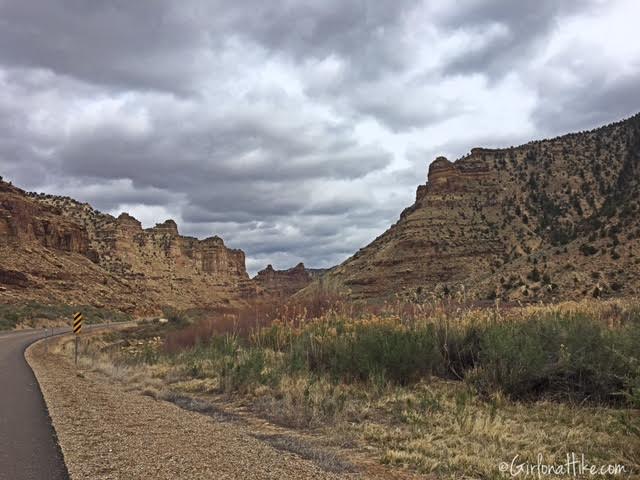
<point x="172" y="46"/>
<point x="130" y="45"/>
<point x="503" y="33"/>
<point x="222" y="151"/>
<point x="320" y="240"/>
<point x="118" y="43"/>
<point x="367" y="34"/>
<point x="110" y="195"/>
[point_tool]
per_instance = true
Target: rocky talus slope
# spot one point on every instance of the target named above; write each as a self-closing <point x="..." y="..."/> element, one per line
<point x="551" y="219"/>
<point x="56" y="250"/>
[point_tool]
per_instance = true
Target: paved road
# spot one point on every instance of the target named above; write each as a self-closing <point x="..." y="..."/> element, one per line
<point x="28" y="448"/>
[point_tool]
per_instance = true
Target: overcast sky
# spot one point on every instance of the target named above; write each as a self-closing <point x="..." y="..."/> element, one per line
<point x="295" y="130"/>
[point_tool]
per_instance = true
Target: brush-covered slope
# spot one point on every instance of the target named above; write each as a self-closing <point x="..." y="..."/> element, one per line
<point x="556" y="218"/>
<point x="56" y="250"/>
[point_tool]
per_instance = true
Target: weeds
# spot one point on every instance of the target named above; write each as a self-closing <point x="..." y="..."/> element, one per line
<point x="571" y="356"/>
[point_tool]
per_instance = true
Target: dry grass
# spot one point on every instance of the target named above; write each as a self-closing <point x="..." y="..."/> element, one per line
<point x="445" y="429"/>
<point x="434" y="425"/>
<point x="325" y="459"/>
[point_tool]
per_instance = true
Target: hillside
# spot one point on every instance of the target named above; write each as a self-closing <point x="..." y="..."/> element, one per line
<point x="56" y="250"/>
<point x="547" y="220"/>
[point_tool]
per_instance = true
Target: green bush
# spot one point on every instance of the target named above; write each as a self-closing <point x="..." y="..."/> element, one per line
<point x="369" y="353"/>
<point x="459" y="347"/>
<point x="572" y="356"/>
<point x="11" y="315"/>
<point x="246" y="369"/>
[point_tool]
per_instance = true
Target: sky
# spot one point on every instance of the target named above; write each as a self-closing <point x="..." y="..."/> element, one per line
<point x="295" y="130"/>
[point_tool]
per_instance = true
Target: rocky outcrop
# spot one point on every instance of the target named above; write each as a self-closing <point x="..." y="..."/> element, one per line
<point x="67" y="252"/>
<point x="283" y="283"/>
<point x="444" y="175"/>
<point x="23" y="221"/>
<point x="551" y="219"/>
<point x="14" y="278"/>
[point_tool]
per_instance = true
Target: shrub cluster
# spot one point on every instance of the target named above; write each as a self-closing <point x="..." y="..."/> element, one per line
<point x="372" y="349"/>
<point x="569" y="356"/>
<point x="566" y="355"/>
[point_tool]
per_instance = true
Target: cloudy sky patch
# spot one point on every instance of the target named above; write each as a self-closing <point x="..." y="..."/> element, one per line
<point x="295" y="130"/>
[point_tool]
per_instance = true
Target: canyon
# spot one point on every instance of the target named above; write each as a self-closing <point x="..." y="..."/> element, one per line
<point x="549" y="220"/>
<point x="57" y="250"/>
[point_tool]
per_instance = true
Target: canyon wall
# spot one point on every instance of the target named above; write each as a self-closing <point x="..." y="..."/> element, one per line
<point x="57" y="250"/>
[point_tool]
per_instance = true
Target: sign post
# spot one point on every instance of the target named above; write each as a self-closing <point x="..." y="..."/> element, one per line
<point x="78" y="320"/>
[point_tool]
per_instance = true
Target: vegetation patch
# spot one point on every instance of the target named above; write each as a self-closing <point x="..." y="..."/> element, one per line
<point x="438" y="388"/>
<point x="12" y="315"/>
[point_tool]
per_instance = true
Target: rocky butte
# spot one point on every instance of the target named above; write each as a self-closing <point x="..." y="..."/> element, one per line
<point x="280" y="284"/>
<point x="552" y="219"/>
<point x="57" y="250"/>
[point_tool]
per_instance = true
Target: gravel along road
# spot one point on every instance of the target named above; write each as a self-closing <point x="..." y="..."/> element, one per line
<point x="106" y="432"/>
<point x="28" y="446"/>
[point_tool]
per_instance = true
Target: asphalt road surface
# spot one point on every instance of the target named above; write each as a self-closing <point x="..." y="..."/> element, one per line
<point x="28" y="447"/>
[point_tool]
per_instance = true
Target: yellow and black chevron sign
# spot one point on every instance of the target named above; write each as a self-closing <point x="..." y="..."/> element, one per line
<point x="78" y="320"/>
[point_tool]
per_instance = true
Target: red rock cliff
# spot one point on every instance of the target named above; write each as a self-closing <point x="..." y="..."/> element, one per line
<point x="283" y="283"/>
<point x="70" y="253"/>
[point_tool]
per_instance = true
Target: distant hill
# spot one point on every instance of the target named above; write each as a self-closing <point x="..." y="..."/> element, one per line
<point x="280" y="284"/>
<point x="552" y="219"/>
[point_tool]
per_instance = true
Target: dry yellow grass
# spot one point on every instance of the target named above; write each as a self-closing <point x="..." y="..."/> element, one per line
<point x="435" y="426"/>
<point x="443" y="428"/>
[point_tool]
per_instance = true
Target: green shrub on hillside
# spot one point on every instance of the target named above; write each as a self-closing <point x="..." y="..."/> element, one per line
<point x="13" y="314"/>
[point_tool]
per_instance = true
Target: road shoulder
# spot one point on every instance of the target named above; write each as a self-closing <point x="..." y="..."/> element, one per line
<point x="108" y="433"/>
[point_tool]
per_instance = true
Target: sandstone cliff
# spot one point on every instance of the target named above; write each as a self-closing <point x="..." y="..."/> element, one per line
<point x="56" y="250"/>
<point x="281" y="284"/>
<point x="551" y="219"/>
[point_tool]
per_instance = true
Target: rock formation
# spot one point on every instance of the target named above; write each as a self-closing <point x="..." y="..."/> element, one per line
<point x="56" y="250"/>
<point x="283" y="283"/>
<point x="551" y="219"/>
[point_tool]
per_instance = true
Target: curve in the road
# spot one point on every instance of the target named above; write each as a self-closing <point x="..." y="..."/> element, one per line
<point x="28" y="446"/>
